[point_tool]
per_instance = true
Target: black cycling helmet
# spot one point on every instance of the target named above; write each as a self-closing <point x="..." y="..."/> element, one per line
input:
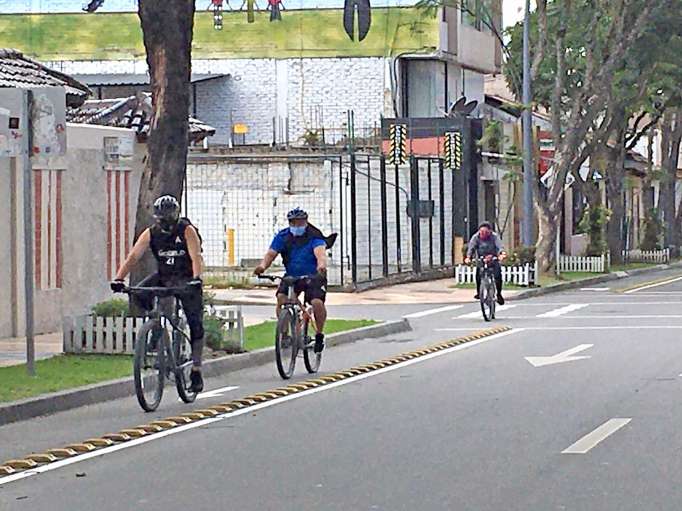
<point x="297" y="214"/>
<point x="166" y="211"/>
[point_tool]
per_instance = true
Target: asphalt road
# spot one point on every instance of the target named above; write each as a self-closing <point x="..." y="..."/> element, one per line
<point x="589" y="421"/>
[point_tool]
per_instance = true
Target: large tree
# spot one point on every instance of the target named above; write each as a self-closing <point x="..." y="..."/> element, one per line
<point x="579" y="47"/>
<point x="167" y="29"/>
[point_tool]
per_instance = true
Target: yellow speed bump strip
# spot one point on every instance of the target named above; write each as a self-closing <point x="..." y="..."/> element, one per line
<point x="13" y="468"/>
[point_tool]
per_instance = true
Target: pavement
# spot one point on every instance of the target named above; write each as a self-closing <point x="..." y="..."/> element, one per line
<point x="13" y="349"/>
<point x="575" y="408"/>
<point x="432" y="291"/>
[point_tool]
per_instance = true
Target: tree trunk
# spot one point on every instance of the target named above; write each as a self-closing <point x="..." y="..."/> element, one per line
<point x="671" y="138"/>
<point x="167" y="32"/>
<point x="547" y="231"/>
<point x="615" y="180"/>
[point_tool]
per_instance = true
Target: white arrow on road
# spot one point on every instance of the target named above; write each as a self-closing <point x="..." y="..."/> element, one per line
<point x="559" y="358"/>
<point x="214" y="393"/>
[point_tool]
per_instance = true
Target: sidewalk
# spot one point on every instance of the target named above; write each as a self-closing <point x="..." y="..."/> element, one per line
<point x="433" y="291"/>
<point x="13" y="349"/>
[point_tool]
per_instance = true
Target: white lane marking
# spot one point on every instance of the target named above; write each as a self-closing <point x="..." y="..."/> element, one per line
<point x="215" y="392"/>
<point x="477" y="314"/>
<point x="250" y="409"/>
<point x="596" y="327"/>
<point x="589" y="441"/>
<point x="594" y="288"/>
<point x="560" y="358"/>
<point x="563" y="310"/>
<point x="604" y="316"/>
<point x="429" y="312"/>
<point x="655" y="284"/>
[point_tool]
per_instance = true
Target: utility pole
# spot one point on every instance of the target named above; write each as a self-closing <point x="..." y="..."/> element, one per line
<point x="528" y="174"/>
<point x="27" y="165"/>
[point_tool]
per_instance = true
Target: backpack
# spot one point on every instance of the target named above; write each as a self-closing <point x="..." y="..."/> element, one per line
<point x="311" y="232"/>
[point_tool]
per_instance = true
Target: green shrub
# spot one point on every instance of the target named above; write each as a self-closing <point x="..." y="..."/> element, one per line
<point x="653" y="230"/>
<point x="521" y="255"/>
<point x="593" y="223"/>
<point x="112" y="308"/>
<point x="213" y="332"/>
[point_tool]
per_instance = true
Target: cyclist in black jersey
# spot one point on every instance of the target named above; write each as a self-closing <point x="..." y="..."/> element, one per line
<point x="176" y="246"/>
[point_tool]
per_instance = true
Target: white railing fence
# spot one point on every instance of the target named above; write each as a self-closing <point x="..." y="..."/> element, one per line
<point x="647" y="256"/>
<point x="520" y="275"/>
<point x="116" y="335"/>
<point x="598" y="264"/>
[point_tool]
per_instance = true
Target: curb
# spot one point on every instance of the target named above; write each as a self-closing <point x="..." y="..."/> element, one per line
<point x="566" y="286"/>
<point x="124" y="387"/>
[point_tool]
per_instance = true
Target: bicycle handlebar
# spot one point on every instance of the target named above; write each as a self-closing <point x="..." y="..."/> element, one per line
<point x="274" y="278"/>
<point x="157" y="291"/>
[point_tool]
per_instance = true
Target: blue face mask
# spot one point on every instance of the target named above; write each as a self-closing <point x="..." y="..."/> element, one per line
<point x="297" y="231"/>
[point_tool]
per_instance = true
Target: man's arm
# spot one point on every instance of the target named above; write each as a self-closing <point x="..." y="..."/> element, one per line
<point x="140" y="247"/>
<point x="268" y="258"/>
<point x="501" y="253"/>
<point x="321" y="256"/>
<point x="472" y="246"/>
<point x="194" y="248"/>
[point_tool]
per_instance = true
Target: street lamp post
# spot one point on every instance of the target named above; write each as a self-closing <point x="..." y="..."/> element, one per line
<point x="528" y="174"/>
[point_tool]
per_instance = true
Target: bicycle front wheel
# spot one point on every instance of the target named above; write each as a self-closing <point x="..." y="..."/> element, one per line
<point x="487" y="300"/>
<point x="183" y="358"/>
<point x="312" y="360"/>
<point x="149" y="365"/>
<point x="286" y="343"/>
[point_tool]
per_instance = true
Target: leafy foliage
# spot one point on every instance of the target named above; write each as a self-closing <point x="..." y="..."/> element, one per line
<point x="592" y="223"/>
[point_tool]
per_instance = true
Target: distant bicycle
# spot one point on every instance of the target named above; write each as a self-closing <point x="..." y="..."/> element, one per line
<point x="293" y="325"/>
<point x="488" y="292"/>
<point x="157" y="357"/>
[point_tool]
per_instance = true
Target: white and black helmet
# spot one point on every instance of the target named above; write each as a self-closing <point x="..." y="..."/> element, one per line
<point x="166" y="211"/>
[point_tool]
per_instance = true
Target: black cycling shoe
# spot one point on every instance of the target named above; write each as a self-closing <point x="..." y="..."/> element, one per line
<point x="197" y="381"/>
<point x="500" y="300"/>
<point x="477" y="296"/>
<point x="319" y="343"/>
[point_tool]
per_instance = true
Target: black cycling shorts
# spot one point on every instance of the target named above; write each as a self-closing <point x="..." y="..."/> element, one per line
<point x="315" y="288"/>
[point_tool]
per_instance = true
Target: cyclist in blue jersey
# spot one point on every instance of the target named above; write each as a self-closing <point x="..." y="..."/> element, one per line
<point x="303" y="250"/>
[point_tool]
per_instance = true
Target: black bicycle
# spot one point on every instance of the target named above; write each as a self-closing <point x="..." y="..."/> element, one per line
<point x="157" y="357"/>
<point x="293" y="325"/>
<point x="487" y="294"/>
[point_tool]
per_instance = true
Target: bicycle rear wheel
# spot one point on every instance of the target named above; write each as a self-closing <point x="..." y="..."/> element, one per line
<point x="311" y="359"/>
<point x="183" y="358"/>
<point x="286" y="344"/>
<point x="487" y="302"/>
<point x="149" y="365"/>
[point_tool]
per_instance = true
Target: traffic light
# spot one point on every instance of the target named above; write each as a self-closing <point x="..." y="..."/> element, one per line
<point x="397" y="154"/>
<point x="453" y="150"/>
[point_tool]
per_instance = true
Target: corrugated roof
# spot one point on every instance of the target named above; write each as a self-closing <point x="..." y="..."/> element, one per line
<point x="18" y="71"/>
<point x="133" y="112"/>
<point x="108" y="80"/>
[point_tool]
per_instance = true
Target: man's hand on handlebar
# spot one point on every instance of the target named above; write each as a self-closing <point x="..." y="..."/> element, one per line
<point x="467" y="260"/>
<point x="260" y="270"/>
<point x="117" y="286"/>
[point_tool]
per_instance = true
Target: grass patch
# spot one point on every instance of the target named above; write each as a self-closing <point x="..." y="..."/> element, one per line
<point x="223" y="282"/>
<point x="301" y="33"/>
<point x="631" y="266"/>
<point x="263" y="334"/>
<point x="60" y="373"/>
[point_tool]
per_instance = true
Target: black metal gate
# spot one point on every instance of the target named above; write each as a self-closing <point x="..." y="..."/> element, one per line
<point x="396" y="219"/>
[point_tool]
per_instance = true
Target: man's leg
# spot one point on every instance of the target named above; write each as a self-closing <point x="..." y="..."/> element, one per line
<point x="478" y="283"/>
<point x="498" y="283"/>
<point x="193" y="305"/>
<point x="315" y="295"/>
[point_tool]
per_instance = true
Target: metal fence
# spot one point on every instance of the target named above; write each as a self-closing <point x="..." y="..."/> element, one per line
<point x="391" y="219"/>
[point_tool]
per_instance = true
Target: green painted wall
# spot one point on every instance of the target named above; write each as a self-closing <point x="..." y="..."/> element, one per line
<point x="307" y="33"/>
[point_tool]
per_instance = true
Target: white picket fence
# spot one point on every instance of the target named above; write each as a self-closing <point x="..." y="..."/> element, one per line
<point x="521" y="275"/>
<point x="109" y="335"/>
<point x="647" y="256"/>
<point x="599" y="264"/>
